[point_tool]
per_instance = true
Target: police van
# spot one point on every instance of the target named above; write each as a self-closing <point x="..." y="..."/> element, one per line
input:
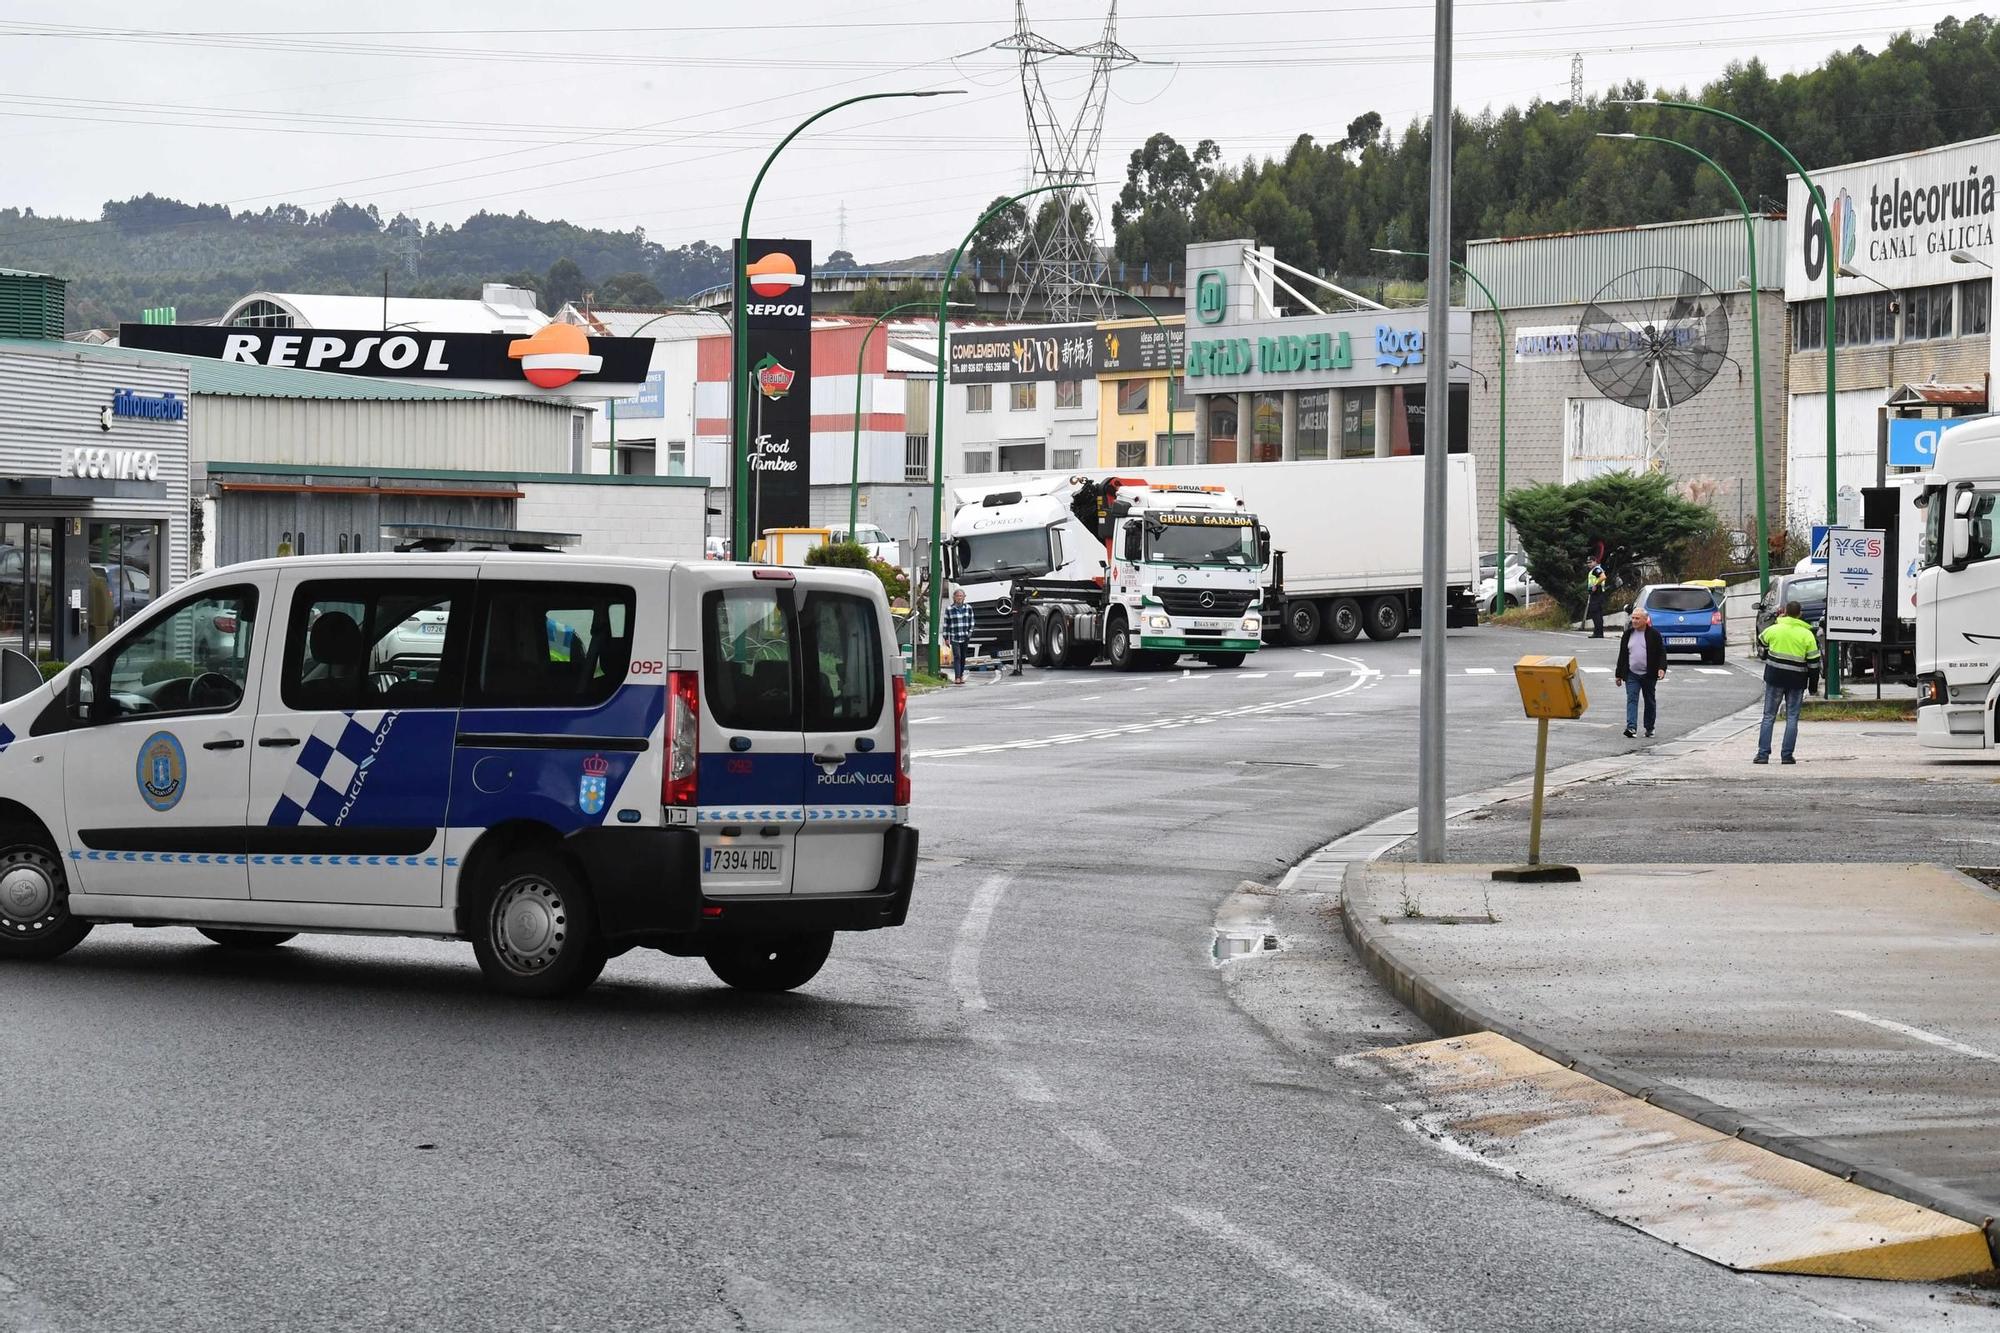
<point x="556" y="758"/>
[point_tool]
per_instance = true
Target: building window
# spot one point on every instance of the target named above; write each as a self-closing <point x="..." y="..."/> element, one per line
<point x="1315" y="417"/>
<point x="916" y="458"/>
<point x="577" y="443"/>
<point x="1927" y="314"/>
<point x="1132" y="453"/>
<point x="1133" y="397"/>
<point x="1357" y="423"/>
<point x="978" y="461"/>
<point x="1222" y="414"/>
<point x="1270" y="429"/>
<point x="1021" y="397"/>
<point x="1026" y="456"/>
<point x="677" y="458"/>
<point x="1177" y="394"/>
<point x="979" y="398"/>
<point x="1069" y="393"/>
<point x="1065" y="458"/>
<point x="1975" y="306"/>
<point x="636" y="459"/>
<point x="1172" y="449"/>
<point x="262" y="315"/>
<point x="1808" y="330"/>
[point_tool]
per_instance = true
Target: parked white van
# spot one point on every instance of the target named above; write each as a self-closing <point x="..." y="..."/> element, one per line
<point x="557" y="758"/>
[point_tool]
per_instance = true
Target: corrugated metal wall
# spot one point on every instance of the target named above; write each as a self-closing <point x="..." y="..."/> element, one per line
<point x="463" y="435"/>
<point x="1570" y="269"/>
<point x="254" y="525"/>
<point x="50" y="402"/>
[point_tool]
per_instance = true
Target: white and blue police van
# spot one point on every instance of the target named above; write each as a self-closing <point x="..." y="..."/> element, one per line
<point x="557" y="758"/>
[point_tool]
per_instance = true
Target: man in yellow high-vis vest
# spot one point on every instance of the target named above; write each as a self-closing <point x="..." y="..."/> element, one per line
<point x="1791" y="669"/>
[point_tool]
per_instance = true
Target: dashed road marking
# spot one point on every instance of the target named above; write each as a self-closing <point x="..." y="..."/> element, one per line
<point x="1714" y="671"/>
<point x="1935" y="1039"/>
<point x="1307" y="675"/>
<point x="1276" y="1259"/>
<point x="964" y="966"/>
<point x="1479" y="671"/>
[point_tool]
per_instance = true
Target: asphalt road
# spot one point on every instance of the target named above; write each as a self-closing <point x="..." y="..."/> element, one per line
<point x="1037" y="1106"/>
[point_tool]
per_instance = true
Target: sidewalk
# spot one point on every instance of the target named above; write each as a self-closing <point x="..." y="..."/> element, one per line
<point x="1839" y="1010"/>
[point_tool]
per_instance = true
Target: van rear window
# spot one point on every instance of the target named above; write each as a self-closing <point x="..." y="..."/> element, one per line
<point x="550" y="645"/>
<point x="844" y="685"/>
<point x="749" y="658"/>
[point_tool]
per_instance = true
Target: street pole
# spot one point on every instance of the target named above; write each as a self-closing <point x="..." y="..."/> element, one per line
<point x="1500" y="497"/>
<point x="937" y="429"/>
<point x="854" y="467"/>
<point x="740" y="399"/>
<point x="1756" y="348"/>
<point x="1818" y="198"/>
<point x="1165" y="337"/>
<point x="1437" y="444"/>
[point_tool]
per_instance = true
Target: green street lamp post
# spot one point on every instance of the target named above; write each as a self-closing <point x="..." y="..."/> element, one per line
<point x="740" y="427"/>
<point x="861" y="360"/>
<point x="1818" y="197"/>
<point x="1500" y="495"/>
<point x="1158" y="324"/>
<point x="1756" y="346"/>
<point x="937" y="430"/>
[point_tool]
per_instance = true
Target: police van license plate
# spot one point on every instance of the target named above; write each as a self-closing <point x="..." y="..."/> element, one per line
<point x="742" y="860"/>
<point x="1680" y="643"/>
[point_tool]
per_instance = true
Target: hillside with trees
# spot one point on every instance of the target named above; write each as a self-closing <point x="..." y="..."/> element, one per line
<point x="199" y="258"/>
<point x="1542" y="168"/>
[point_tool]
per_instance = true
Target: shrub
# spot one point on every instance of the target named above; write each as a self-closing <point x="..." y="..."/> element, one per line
<point x="852" y="555"/>
<point x="50" y="670"/>
<point x="1637" y="518"/>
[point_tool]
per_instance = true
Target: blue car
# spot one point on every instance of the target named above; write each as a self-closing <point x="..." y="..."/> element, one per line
<point x="1688" y="616"/>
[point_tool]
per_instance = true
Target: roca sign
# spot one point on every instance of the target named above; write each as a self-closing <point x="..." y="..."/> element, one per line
<point x="111" y="464"/>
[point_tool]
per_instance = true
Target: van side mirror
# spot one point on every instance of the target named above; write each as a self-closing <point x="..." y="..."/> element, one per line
<point x="1133" y="542"/>
<point x="81" y="694"/>
<point x="1263" y="546"/>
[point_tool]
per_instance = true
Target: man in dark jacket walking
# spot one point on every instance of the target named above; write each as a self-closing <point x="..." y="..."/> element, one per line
<point x="1642" y="662"/>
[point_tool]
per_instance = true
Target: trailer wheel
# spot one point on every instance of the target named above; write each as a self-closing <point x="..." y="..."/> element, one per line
<point x="1035" y="639"/>
<point x="1385" y="618"/>
<point x="1343" y="621"/>
<point x="1064" y="650"/>
<point x="1118" y="648"/>
<point x="1302" y="622"/>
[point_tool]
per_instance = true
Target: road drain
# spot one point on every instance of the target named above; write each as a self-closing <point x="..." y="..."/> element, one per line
<point x="1239" y="942"/>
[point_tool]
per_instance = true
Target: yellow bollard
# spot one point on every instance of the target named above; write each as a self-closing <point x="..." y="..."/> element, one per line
<point x="1550" y="687"/>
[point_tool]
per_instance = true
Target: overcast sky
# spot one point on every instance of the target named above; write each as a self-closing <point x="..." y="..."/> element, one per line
<point x="656" y="114"/>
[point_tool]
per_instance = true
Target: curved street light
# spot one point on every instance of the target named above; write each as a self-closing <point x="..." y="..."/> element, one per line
<point x="937" y="430"/>
<point x="1500" y="490"/>
<point x="611" y="406"/>
<point x="740" y="399"/>
<point x="1756" y="346"/>
<point x="1832" y="265"/>
<point x="860" y="359"/>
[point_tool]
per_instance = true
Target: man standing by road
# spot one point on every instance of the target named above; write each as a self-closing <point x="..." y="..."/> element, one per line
<point x="1791" y="670"/>
<point x="1642" y="662"/>
<point x="958" y="634"/>
<point x="1598" y="584"/>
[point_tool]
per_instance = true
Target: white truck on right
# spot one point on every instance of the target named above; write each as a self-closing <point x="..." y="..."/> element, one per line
<point x="1958" y="592"/>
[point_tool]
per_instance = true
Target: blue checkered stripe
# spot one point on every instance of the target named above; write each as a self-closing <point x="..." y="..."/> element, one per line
<point x="811" y="814"/>
<point x="274" y="859"/>
<point x="316" y="786"/>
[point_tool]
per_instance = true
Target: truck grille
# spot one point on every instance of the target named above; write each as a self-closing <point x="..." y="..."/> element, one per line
<point x="1220" y="601"/>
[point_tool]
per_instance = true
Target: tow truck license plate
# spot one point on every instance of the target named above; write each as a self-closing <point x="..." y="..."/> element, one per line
<point x="1681" y="643"/>
<point x="1211" y="624"/>
<point x="742" y="860"/>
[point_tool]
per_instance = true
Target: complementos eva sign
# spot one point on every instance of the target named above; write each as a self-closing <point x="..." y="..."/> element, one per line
<point x="1897" y="219"/>
<point x="553" y="358"/>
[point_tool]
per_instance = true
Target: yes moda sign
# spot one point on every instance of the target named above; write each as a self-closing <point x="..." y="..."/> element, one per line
<point x="1856" y="560"/>
<point x="777" y="323"/>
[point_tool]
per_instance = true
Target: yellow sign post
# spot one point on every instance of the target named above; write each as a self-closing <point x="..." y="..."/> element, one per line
<point x="1550" y="687"/>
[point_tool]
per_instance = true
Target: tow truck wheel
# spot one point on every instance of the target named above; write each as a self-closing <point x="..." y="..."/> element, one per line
<point x="34" y="897"/>
<point x="1035" y="639"/>
<point x="1227" y="661"/>
<point x="1061" y="645"/>
<point x="1118" y="646"/>
<point x="1302" y="622"/>
<point x="1343" y="621"/>
<point x="1385" y="618"/>
<point x="776" y="963"/>
<point x="535" y="933"/>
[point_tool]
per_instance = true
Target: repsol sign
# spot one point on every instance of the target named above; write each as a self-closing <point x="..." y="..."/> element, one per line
<point x="506" y="358"/>
<point x="775" y="309"/>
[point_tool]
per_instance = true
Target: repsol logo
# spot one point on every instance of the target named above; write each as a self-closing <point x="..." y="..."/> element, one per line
<point x="311" y="351"/>
<point x="775" y="308"/>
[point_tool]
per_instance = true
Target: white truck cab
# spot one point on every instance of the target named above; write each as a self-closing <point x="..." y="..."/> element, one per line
<point x="1958" y="592"/>
<point x="557" y="758"/>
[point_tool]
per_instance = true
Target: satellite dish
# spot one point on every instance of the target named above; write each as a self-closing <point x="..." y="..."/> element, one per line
<point x="1652" y="338"/>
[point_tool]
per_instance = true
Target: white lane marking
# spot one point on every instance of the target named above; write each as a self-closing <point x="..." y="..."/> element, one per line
<point x="1891" y="1025"/>
<point x="1317" y="1281"/>
<point x="1598" y="671"/>
<point x="1307" y="675"/>
<point x="964" y="967"/>
<point x="1028" y="1085"/>
<point x="1088" y="697"/>
<point x="1479" y="671"/>
<point x="1155" y="724"/>
<point x="1414" y="671"/>
<point x="1251" y="675"/>
<point x="1094" y="1143"/>
<point x="1714" y="671"/>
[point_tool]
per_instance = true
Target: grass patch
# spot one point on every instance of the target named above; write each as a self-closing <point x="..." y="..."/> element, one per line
<point x="1858" y="710"/>
<point x="1545" y="614"/>
<point x="923" y="682"/>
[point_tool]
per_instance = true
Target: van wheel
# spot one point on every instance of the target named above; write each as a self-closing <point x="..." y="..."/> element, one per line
<point x="537" y="932"/>
<point x="775" y="963"/>
<point x="1118" y="648"/>
<point x="1035" y="639"/>
<point x="34" y="897"/>
<point x="247" y="939"/>
<point x="1343" y="621"/>
<point x="1385" y="618"/>
<point x="1302" y="623"/>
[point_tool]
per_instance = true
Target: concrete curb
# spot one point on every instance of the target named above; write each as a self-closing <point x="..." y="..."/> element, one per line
<point x="1451" y="1015"/>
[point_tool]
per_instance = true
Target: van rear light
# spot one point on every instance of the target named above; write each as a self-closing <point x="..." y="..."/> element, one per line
<point x="902" y="741"/>
<point x="225" y="624"/>
<point x="677" y="778"/>
<point x="1715" y="618"/>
